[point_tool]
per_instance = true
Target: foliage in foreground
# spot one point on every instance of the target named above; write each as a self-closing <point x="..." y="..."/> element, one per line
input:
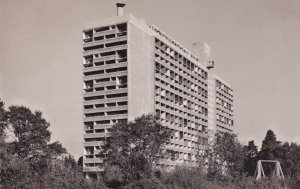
<point x="187" y="178"/>
<point x="31" y="161"/>
<point x="132" y="149"/>
<point x="223" y="157"/>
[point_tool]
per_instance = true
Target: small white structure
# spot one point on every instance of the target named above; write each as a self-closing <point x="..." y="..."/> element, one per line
<point x="259" y="172"/>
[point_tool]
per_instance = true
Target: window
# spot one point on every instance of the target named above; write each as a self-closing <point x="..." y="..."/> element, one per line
<point x="180" y="134"/>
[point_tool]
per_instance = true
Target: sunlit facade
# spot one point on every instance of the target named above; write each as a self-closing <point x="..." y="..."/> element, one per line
<point x="130" y="68"/>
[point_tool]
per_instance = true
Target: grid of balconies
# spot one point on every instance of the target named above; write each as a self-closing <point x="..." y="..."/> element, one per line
<point x="180" y="102"/>
<point x="105" y="90"/>
<point x="224" y="107"/>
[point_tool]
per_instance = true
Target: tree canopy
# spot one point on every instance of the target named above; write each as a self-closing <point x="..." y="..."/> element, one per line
<point x="32" y="135"/>
<point x="269" y="147"/>
<point x="30" y="160"/>
<point x="223" y="157"/>
<point x="134" y="147"/>
<point x="251" y="160"/>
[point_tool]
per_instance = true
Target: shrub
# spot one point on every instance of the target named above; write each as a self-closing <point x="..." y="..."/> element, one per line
<point x="146" y="183"/>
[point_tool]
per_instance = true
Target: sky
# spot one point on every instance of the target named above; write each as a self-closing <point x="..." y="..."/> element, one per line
<point x="255" y="45"/>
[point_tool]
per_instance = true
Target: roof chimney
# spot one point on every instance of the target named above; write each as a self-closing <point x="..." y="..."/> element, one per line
<point x="120" y="10"/>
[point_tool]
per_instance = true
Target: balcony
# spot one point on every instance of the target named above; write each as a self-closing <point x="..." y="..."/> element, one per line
<point x="94" y="135"/>
<point x="97" y="93"/>
<point x="222" y="108"/>
<point x="181" y="108"/>
<point x="117" y="39"/>
<point x="225" y="93"/>
<point x="104" y="41"/>
<point x="94" y="143"/>
<point x="101" y="101"/>
<point x="179" y="115"/>
<point x="107" y="32"/>
<point x="107" y="66"/>
<point x="105" y="58"/>
<point x="104" y="84"/>
<point x="178" y="86"/>
<point x="122" y="33"/>
<point x="92" y="160"/>
<point x="92" y="43"/>
<point x="105" y="75"/>
<point x="101" y="118"/>
<point x="115" y="48"/>
<point x="105" y="109"/>
<point x="103" y="126"/>
<point x="88" y="39"/>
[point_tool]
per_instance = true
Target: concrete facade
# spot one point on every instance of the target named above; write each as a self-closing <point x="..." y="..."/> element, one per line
<point x="140" y="72"/>
<point x="131" y="69"/>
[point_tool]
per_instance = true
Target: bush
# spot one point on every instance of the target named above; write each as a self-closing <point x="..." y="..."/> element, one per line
<point x="293" y="183"/>
<point x="113" y="176"/>
<point x="183" y="177"/>
<point x="146" y="183"/>
<point x="191" y="178"/>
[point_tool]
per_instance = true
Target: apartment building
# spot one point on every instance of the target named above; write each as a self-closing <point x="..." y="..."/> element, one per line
<point x="130" y="68"/>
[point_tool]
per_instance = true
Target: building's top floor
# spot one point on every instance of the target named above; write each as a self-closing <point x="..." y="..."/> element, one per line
<point x="200" y="57"/>
<point x="151" y="30"/>
<point x="225" y="83"/>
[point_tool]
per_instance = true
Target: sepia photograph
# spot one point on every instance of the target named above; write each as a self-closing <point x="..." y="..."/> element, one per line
<point x="157" y="94"/>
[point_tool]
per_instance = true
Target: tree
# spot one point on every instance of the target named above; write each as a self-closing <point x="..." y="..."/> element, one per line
<point x="114" y="177"/>
<point x="223" y="157"/>
<point x="250" y="162"/>
<point x="251" y="149"/>
<point x="55" y="149"/>
<point x="3" y="125"/>
<point x="31" y="161"/>
<point x="3" y="121"/>
<point x="32" y="134"/>
<point x="80" y="161"/>
<point x="3" y="151"/>
<point x="134" y="147"/>
<point x="60" y="174"/>
<point x="289" y="157"/>
<point x="16" y="174"/>
<point x="31" y="131"/>
<point x="269" y="146"/>
<point x="270" y="150"/>
<point x="31" y="148"/>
